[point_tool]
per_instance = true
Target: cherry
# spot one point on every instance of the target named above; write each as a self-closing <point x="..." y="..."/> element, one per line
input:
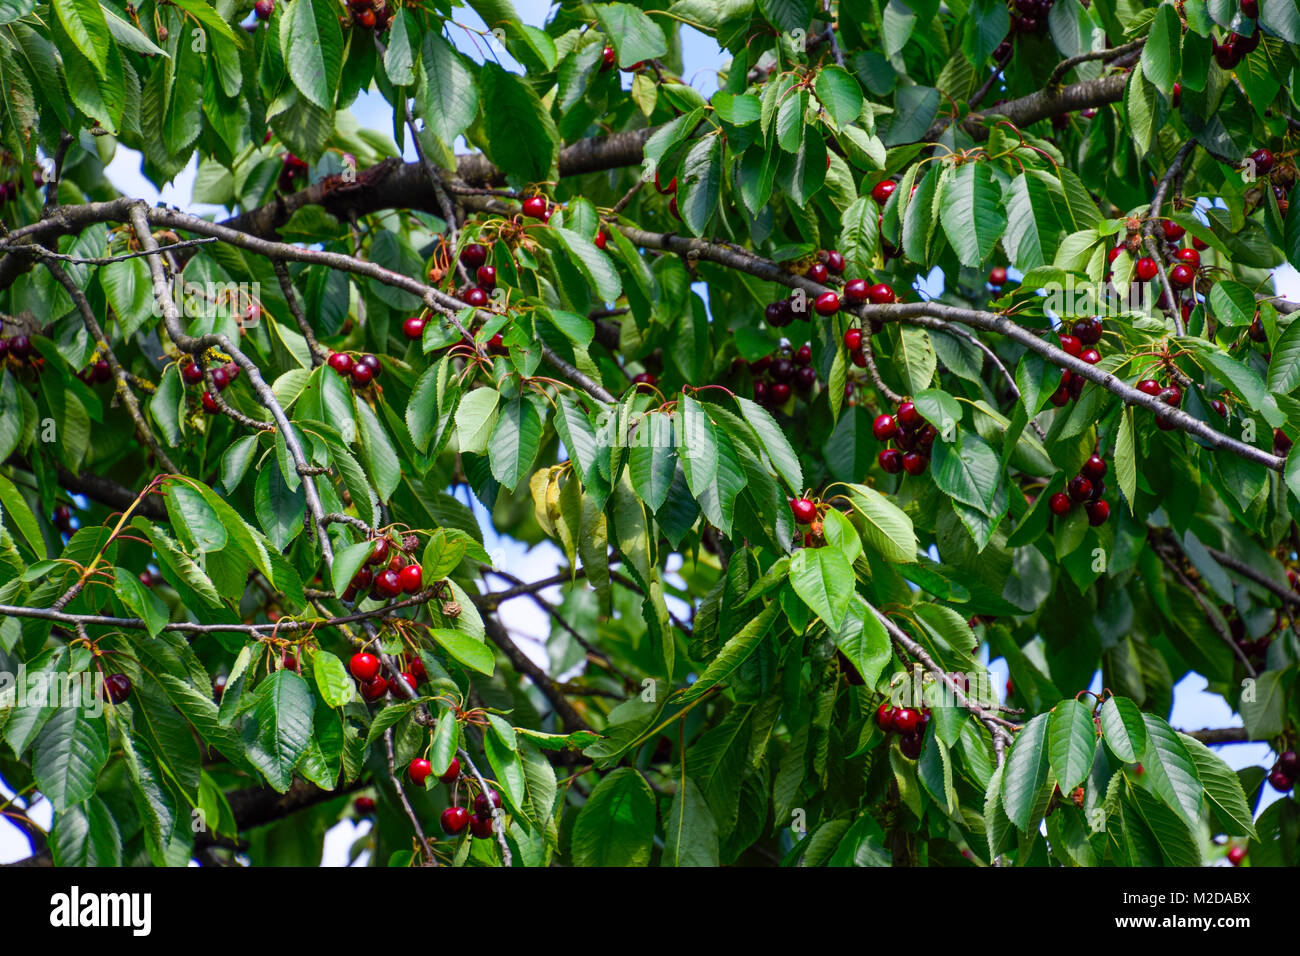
<point x="855" y="290"/>
<point x="1263" y="160"/>
<point x="407" y="679"/>
<point x="665" y="190"/>
<point x="601" y="239"/>
<point x="1256" y="331"/>
<point x="361" y="580"/>
<point x="1250" y="8"/>
<point x="779" y="314"/>
<point x="477" y="297"/>
<point x="906" y="720"/>
<point x="912" y="744"/>
<point x="998" y="276"/>
<point x="484" y="803"/>
<point x="218" y="687"/>
<point x="1190" y="256"/>
<point x="264" y="8"/>
<point x="818" y="273"/>
<point x="1094" y="467"/>
<point x="881" y="294"/>
<point x="782" y="370"/>
<point x="20" y="347"/>
<point x="220" y="378"/>
<point x="1278" y="780"/>
<point x="1079" y="488"/>
<point x="803" y="355"/>
<point x="644" y="378"/>
<point x="760" y="392"/>
<point x="908" y="416"/>
<point x="882" y="190"/>
<point x="487" y="277"/>
<point x="453" y="771"/>
<point x="454" y="820"/>
<point x="118" y="687"/>
<point x="1289" y="763"/>
<point x="1182" y="275"/>
<point x="835" y="261"/>
<point x="362" y="375"/>
<point x="290" y="661"/>
<point x="1219" y="407"/>
<point x="1171" y="395"/>
<point x="1225" y="54"/>
<point x="341" y="362"/>
<point x="419" y="770"/>
<point x="535" y="207"/>
<point x="1173" y="231"/>
<point x="379" y="554"/>
<point x="1088" y="331"/>
<point x="915" y="463"/>
<point x="884" y="427"/>
<point x="1098" y="512"/>
<point x="853" y="339"/>
<point x="1176" y="95"/>
<point x="1059" y="503"/>
<point x="388" y="583"/>
<point x="1237" y="854"/>
<point x="859" y="358"/>
<point x="365" y="667"/>
<point x="1091" y="356"/>
<point x="417" y="669"/>
<point x="1002" y="50"/>
<point x="780" y="393"/>
<point x="885" y="717"/>
<point x="1149" y="386"/>
<point x="364" y="806"/>
<point x="372" y="690"/>
<point x="1071" y="345"/>
<point x="412" y="578"/>
<point x="481" y="827"/>
<point x="1146" y="269"/>
<point x="891" y="460"/>
<point x="210" y="404"/>
<point x="473" y="256"/>
<point x="828" y="303"/>
<point x="413" y="327"/>
<point x="367" y="19"/>
<point x="805" y="378"/>
<point x="804" y="510"/>
<point x="192" y="374"/>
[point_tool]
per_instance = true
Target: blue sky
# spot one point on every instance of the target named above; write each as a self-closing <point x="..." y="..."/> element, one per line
<point x="1193" y="709"/>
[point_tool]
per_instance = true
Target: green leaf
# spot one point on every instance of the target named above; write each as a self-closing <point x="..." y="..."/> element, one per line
<point x="615" y="827"/>
<point x="280" y="511"/>
<point x="735" y="652"/>
<point x="521" y="136"/>
<point x="1123" y="729"/>
<point x="475" y="419"/>
<point x="347" y="562"/>
<point x="690" y="832"/>
<point x="446" y="97"/>
<point x="652" y="459"/>
<point x="596" y="267"/>
<point x="967" y="470"/>
<point x="472" y="653"/>
<point x="14" y="507"/>
<point x="68" y="755"/>
<point x="1222" y="789"/>
<point x="885" y="527"/>
<point x="1071" y="743"/>
<point x="971" y="212"/>
<point x="863" y="641"/>
<point x="1025" y="775"/>
<point x="312" y="43"/>
<point x="84" y="22"/>
<point x="631" y="33"/>
<point x="1170" y="773"/>
<point x="140" y="601"/>
<point x="515" y="442"/>
<point x="332" y="679"/>
<point x="194" y="518"/>
<point x="840" y="93"/>
<point x="86" y="835"/>
<point x="1162" y="55"/>
<point x="1284" y="366"/>
<point x="823" y="578"/>
<point x="774" y="442"/>
<point x="700" y="184"/>
<point x="279" y="726"/>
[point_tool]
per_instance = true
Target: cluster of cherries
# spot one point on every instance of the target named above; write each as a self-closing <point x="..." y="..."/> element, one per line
<point x="455" y="818"/>
<point x="1171" y="395"/>
<point x="366" y="667"/>
<point x="400" y="576"/>
<point x="781" y="374"/>
<point x="908" y="722"/>
<point x="1285" y="772"/>
<point x="912" y="435"/>
<point x="808" y="513"/>
<point x="222" y="376"/>
<point x="830" y="262"/>
<point x="362" y="371"/>
<point x="1085" y="488"/>
<point x="1086" y="331"/>
<point x="1237" y="47"/>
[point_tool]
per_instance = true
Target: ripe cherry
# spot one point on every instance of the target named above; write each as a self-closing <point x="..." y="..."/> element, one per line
<point x="365" y="667"/>
<point x="908" y="416"/>
<point x="487" y="277"/>
<point x="998" y="276"/>
<point x="453" y="771"/>
<point x="1182" y="275"/>
<point x="210" y="404"/>
<point x="1094" y="468"/>
<point x="454" y="820"/>
<point x="646" y="379"/>
<point x="477" y="297"/>
<point x="1071" y="345"/>
<point x="388" y="584"/>
<point x="1237" y="854"/>
<point x="665" y="190"/>
<point x="1098" y="512"/>
<point x="1146" y="269"/>
<point x="481" y="827"/>
<point x="906" y="720"/>
<point x="1190" y="256"/>
<point x="803" y="509"/>
<point x="853" y="339"/>
<point x="803" y="355"/>
<point x="607" y="59"/>
<point x="601" y="239"/>
<point x="779" y="393"/>
<point x="1256" y="331"/>
<point x="779" y="314"/>
<point x="828" y="303"/>
<point x="805" y="378"/>
<point x="412" y="578"/>
<point x="118" y="687"/>
<point x="1059" y="503"/>
<point x="891" y="460"/>
<point x="818" y="273"/>
<point x="782" y="370"/>
<point x="372" y="690"/>
<point x="915" y="463"/>
<point x="1263" y="160"/>
<point x="193" y="374"/>
<point x="362" y="375"/>
<point x="885" y="717"/>
<point x="835" y="261"/>
<point x="1220" y="408"/>
<point x="535" y="207"/>
<point x="881" y="294"/>
<point x="1079" y="488"/>
<point x="1091" y="356"/>
<point x="912" y="744"/>
<point x="473" y="256"/>
<point x="413" y="327"/>
<point x="1173" y="231"/>
<point x="855" y="290"/>
<point x="882" y="190"/>
<point x="1278" y="780"/>
<point x="364" y="806"/>
<point x="484" y="803"/>
<point x="263" y="9"/>
<point x="884" y="427"/>
<point x="419" y="770"/>
<point x="1289" y="763"/>
<point x="220" y="378"/>
<point x="1148" y="385"/>
<point x="341" y="362"/>
<point x="407" y="679"/>
<point x="1088" y="331"/>
<point x="379" y="553"/>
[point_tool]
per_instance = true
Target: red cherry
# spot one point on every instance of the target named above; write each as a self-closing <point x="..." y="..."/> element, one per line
<point x="210" y="404"/>
<point x="1182" y="275"/>
<point x="487" y="277"/>
<point x="1173" y="231"/>
<point x="263" y="9"/>
<point x="607" y="59"/>
<point x="365" y="667"/>
<point x="1079" y="488"/>
<point x="881" y="294"/>
<point x="362" y="375"/>
<point x="835" y="261"/>
<point x="1070" y="345"/>
<point x="884" y="427"/>
<point x="1091" y="356"/>
<point x="1094" y="468"/>
<point x="912" y="744"/>
<point x="818" y="273"/>
<point x="379" y="553"/>
<point x="882" y="190"/>
<point x="1146" y="269"/>
<point x="484" y="803"/>
<point x="601" y="239"/>
<point x="473" y="256"/>
<point x="454" y="820"/>
<point x="1148" y="385"/>
<point x="828" y="303"/>
<point x="388" y="583"/>
<point x="1176" y="94"/>
<point x="364" y="806"/>
<point x="372" y="690"/>
<point x="906" y="720"/>
<point x="1219" y="407"/>
<point x="885" y="717"/>
<point x="1190" y="256"/>
<point x="779" y="393"/>
<point x="1059" y="503"/>
<point x="803" y="355"/>
<point x="915" y="463"/>
<point x="413" y="327"/>
<point x="412" y="578"/>
<point x="118" y="687"/>
<point x="1263" y="160"/>
<point x="1280" y="782"/>
<point x="908" y="416"/>
<point x="476" y="297"/>
<point x="1098" y="512"/>
<point x="855" y="290"/>
<point x="859" y="358"/>
<point x="535" y="207"/>
<point x="853" y="339"/>
<point x="481" y="827"/>
<point x="453" y="771"/>
<point x="220" y="378"/>
<point x="665" y="190"/>
<point x="804" y="510"/>
<point x="419" y="770"/>
<point x="1237" y="854"/>
<point x="341" y="362"/>
<point x="998" y="276"/>
<point x="891" y="460"/>
<point x="193" y="374"/>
